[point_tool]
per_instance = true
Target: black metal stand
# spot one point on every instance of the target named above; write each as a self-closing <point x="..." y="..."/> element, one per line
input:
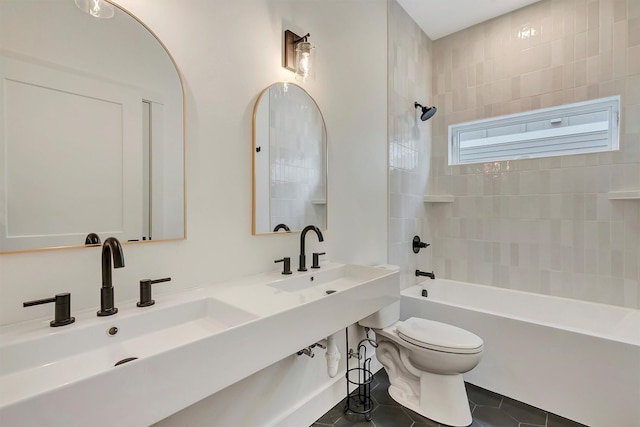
<point x="359" y="402"/>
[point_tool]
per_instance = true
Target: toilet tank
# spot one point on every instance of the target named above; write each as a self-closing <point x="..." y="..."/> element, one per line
<point x="382" y="318"/>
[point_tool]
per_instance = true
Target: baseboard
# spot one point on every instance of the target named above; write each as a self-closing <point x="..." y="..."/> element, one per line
<point x="308" y="410"/>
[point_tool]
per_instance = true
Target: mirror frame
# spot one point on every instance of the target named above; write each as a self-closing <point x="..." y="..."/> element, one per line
<point x="253" y="162"/>
<point x="184" y="154"/>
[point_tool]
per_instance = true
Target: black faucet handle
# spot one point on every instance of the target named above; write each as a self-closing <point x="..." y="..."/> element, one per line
<point x="316" y="259"/>
<point x="62" y="314"/>
<point x="145" y="291"/>
<point x="417" y="244"/>
<point x="286" y="268"/>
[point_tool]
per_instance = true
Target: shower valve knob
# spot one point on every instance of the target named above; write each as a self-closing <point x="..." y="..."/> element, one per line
<point x="417" y="244"/>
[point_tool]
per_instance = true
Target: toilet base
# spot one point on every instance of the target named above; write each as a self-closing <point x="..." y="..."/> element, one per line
<point x="443" y="398"/>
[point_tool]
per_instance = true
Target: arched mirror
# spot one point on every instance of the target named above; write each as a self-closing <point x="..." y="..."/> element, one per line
<point x="92" y="115"/>
<point x="289" y="161"/>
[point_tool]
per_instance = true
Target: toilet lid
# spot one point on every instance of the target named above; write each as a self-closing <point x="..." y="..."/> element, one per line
<point x="439" y="336"/>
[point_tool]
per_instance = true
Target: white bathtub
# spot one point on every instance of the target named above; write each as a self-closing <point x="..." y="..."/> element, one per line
<point x="576" y="359"/>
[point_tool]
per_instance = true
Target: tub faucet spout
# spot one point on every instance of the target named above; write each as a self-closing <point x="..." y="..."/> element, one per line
<point x="302" y="266"/>
<point x="424" y="273"/>
<point x="111" y="248"/>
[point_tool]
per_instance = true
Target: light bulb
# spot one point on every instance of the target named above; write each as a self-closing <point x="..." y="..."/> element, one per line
<point x="304" y="61"/>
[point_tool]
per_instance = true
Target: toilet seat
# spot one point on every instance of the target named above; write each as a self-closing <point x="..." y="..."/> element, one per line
<point x="438" y="336"/>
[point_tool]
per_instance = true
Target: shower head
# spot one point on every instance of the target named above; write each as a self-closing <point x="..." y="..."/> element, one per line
<point x="427" y="112"/>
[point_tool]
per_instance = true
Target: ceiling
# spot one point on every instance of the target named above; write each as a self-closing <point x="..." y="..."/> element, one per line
<point x="439" y="18"/>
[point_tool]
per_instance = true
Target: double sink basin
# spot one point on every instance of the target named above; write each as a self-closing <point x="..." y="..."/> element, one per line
<point x="143" y="364"/>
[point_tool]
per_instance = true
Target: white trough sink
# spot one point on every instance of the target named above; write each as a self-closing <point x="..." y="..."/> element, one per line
<point x="40" y="360"/>
<point x="187" y="346"/>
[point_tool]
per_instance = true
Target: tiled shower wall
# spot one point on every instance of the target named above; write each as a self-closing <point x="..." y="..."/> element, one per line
<point x="409" y="140"/>
<point x="541" y="225"/>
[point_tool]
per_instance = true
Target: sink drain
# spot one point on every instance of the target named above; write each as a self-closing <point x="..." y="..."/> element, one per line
<point x="128" y="359"/>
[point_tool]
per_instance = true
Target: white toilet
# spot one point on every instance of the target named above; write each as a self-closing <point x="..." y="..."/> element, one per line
<point x="425" y="361"/>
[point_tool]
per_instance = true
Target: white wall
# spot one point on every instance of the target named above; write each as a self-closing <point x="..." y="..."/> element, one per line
<point x="227" y="53"/>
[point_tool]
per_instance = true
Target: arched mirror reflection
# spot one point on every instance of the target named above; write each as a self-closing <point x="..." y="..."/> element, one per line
<point x="92" y="116"/>
<point x="289" y="161"/>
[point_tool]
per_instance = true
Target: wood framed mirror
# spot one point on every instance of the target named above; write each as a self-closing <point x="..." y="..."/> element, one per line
<point x="93" y="118"/>
<point x="289" y="161"/>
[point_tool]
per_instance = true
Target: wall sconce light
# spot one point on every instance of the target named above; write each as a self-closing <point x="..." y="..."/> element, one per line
<point x="298" y="55"/>
<point x="96" y="8"/>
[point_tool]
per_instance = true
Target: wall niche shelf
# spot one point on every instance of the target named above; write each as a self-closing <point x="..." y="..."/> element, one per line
<point x="624" y="195"/>
<point x="438" y="198"/>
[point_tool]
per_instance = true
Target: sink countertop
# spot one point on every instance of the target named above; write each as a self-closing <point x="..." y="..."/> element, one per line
<point x="222" y="333"/>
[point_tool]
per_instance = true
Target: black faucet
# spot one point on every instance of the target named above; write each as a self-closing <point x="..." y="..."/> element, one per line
<point x="111" y="248"/>
<point x="303" y="259"/>
<point x="424" y="273"/>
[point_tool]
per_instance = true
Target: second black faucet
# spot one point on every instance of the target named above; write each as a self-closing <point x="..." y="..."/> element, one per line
<point x="302" y="266"/>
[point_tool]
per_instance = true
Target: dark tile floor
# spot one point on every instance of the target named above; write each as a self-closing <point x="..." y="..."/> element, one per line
<point x="488" y="409"/>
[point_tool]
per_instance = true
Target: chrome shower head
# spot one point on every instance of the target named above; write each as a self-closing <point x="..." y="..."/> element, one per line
<point x="427" y="112"/>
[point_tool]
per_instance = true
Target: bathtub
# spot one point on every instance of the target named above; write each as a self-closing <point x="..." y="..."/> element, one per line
<point x="576" y="359"/>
